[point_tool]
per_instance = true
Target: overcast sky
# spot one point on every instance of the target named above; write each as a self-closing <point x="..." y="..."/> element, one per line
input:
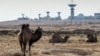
<point x="12" y="9"/>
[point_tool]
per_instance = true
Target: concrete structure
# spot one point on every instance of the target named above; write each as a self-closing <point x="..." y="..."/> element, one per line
<point x="48" y="17"/>
<point x="97" y="15"/>
<point x="59" y="17"/>
<point x="23" y="17"/>
<point x="80" y="17"/>
<point x="72" y="5"/>
<point x="39" y="16"/>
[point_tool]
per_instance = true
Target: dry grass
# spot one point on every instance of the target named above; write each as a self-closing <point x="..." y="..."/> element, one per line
<point x="76" y="46"/>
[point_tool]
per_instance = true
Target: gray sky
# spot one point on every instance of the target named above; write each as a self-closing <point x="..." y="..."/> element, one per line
<point x="12" y="9"/>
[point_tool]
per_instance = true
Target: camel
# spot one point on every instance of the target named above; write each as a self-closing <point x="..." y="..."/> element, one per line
<point x="92" y="38"/>
<point x="27" y="36"/>
<point x="57" y="39"/>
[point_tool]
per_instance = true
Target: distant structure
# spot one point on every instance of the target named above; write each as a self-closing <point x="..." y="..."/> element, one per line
<point x="23" y="18"/>
<point x="81" y="15"/>
<point x="39" y="16"/>
<point x="48" y="17"/>
<point x="59" y="17"/>
<point x="72" y="5"/>
<point x="97" y="15"/>
<point x="71" y="18"/>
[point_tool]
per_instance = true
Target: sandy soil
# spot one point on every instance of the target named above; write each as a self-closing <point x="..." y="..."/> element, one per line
<point x="76" y="46"/>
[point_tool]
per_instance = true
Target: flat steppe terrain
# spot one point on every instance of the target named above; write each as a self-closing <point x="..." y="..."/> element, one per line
<point x="75" y="46"/>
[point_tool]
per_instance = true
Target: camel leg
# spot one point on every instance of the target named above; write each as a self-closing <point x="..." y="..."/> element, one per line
<point x="29" y="50"/>
<point x="30" y="44"/>
<point x="24" y="48"/>
<point x="21" y="42"/>
<point x="21" y="46"/>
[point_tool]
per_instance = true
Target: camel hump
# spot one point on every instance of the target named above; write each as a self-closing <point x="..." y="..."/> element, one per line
<point x="25" y="26"/>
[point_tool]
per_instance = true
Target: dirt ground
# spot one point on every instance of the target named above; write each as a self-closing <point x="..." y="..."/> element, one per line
<point x="75" y="46"/>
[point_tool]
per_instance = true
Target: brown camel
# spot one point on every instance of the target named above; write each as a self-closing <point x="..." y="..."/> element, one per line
<point x="26" y="36"/>
<point x="92" y="38"/>
<point x="56" y="38"/>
